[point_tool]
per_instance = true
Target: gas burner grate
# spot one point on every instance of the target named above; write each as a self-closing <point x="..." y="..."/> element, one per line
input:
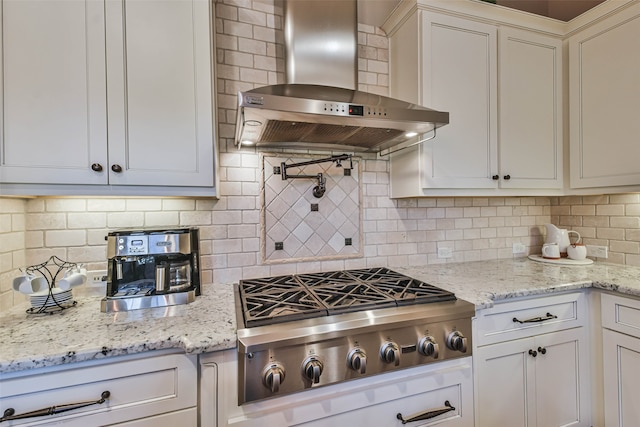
<point x="346" y="297"/>
<point x="281" y="298"/>
<point x="410" y="291"/>
<point x="284" y="298"/>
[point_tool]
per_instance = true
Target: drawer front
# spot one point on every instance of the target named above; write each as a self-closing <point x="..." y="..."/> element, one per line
<point x="186" y="418"/>
<point x="138" y="388"/>
<point x="529" y="317"/>
<point x="621" y="314"/>
<point x="373" y="402"/>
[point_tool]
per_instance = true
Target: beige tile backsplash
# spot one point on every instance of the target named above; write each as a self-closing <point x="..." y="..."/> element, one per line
<point x="394" y="232"/>
<point x="606" y="220"/>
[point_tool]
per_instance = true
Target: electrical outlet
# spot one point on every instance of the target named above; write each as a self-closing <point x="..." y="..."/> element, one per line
<point x="597" y="251"/>
<point x="96" y="277"/>
<point x="519" y="248"/>
<point x="445" y="253"/>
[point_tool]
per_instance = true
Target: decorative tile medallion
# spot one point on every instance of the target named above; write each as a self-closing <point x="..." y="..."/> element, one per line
<point x="299" y="226"/>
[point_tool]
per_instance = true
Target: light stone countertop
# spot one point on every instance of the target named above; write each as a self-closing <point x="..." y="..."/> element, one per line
<point x="84" y="333"/>
<point x="208" y="324"/>
<point x="485" y="282"/>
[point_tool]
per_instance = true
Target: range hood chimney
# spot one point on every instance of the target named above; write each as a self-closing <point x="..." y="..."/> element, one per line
<point x="320" y="107"/>
<point x="321" y="42"/>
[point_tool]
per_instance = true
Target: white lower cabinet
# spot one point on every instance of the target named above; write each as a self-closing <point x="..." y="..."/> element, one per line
<point x="531" y="382"/>
<point x="538" y="374"/>
<point x="150" y="389"/>
<point x="375" y="401"/>
<point x="621" y="360"/>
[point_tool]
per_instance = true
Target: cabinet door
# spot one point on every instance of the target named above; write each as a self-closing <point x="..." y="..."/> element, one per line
<point x="160" y="92"/>
<point x="561" y="379"/>
<point x="539" y="381"/>
<point x="459" y="76"/>
<point x="505" y="384"/>
<point x="604" y="80"/>
<point x="621" y="360"/>
<point x="53" y="109"/>
<point x="530" y="110"/>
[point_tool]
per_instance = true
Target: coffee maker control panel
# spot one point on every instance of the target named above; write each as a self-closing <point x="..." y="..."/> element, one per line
<point x="151" y="244"/>
<point x="132" y="245"/>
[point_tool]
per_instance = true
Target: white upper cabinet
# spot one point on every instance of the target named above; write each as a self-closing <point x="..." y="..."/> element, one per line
<point x="604" y="64"/>
<point x="54" y="123"/>
<point x="502" y="87"/>
<point x="530" y="105"/>
<point x="109" y="96"/>
<point x="459" y="76"/>
<point x="448" y="64"/>
<point x="159" y="92"/>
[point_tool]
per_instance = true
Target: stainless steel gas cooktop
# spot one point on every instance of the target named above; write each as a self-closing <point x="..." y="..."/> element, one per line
<point x="303" y="331"/>
<point x="280" y="299"/>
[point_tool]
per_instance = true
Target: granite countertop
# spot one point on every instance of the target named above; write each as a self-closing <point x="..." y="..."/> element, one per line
<point x="485" y="282"/>
<point x="208" y="324"/>
<point x="84" y="333"/>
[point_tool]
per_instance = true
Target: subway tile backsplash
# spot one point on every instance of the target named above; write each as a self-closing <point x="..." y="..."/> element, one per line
<point x="394" y="232"/>
<point x="606" y="220"/>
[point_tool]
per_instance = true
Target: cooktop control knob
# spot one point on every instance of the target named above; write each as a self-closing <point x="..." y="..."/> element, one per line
<point x="427" y="346"/>
<point x="357" y="360"/>
<point x="390" y="353"/>
<point x="273" y="376"/>
<point x="312" y="369"/>
<point x="456" y="341"/>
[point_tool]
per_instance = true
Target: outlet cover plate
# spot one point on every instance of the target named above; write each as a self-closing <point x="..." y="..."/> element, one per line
<point x="597" y="251"/>
<point x="519" y="248"/>
<point x="445" y="253"/>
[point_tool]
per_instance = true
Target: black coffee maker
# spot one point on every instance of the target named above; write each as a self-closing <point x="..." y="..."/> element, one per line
<point x="152" y="268"/>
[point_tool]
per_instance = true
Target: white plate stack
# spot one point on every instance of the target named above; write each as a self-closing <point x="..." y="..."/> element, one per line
<point x="45" y="299"/>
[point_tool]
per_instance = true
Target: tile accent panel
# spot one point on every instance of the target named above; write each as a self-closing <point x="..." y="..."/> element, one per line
<point x="288" y="217"/>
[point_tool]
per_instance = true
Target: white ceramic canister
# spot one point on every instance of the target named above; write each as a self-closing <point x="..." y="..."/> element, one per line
<point x="577" y="251"/>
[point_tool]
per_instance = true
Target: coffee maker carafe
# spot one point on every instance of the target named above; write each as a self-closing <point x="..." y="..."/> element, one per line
<point x="152" y="268"/>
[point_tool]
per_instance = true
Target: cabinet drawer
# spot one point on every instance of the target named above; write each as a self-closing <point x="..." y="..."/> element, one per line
<point x="539" y="316"/>
<point x="186" y="417"/>
<point x="372" y="402"/>
<point x="621" y="314"/>
<point x="138" y="388"/>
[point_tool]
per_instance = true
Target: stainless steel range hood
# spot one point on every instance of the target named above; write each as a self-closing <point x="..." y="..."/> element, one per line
<point x="319" y="108"/>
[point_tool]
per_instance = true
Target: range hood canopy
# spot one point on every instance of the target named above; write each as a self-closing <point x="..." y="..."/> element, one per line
<point x="319" y="108"/>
